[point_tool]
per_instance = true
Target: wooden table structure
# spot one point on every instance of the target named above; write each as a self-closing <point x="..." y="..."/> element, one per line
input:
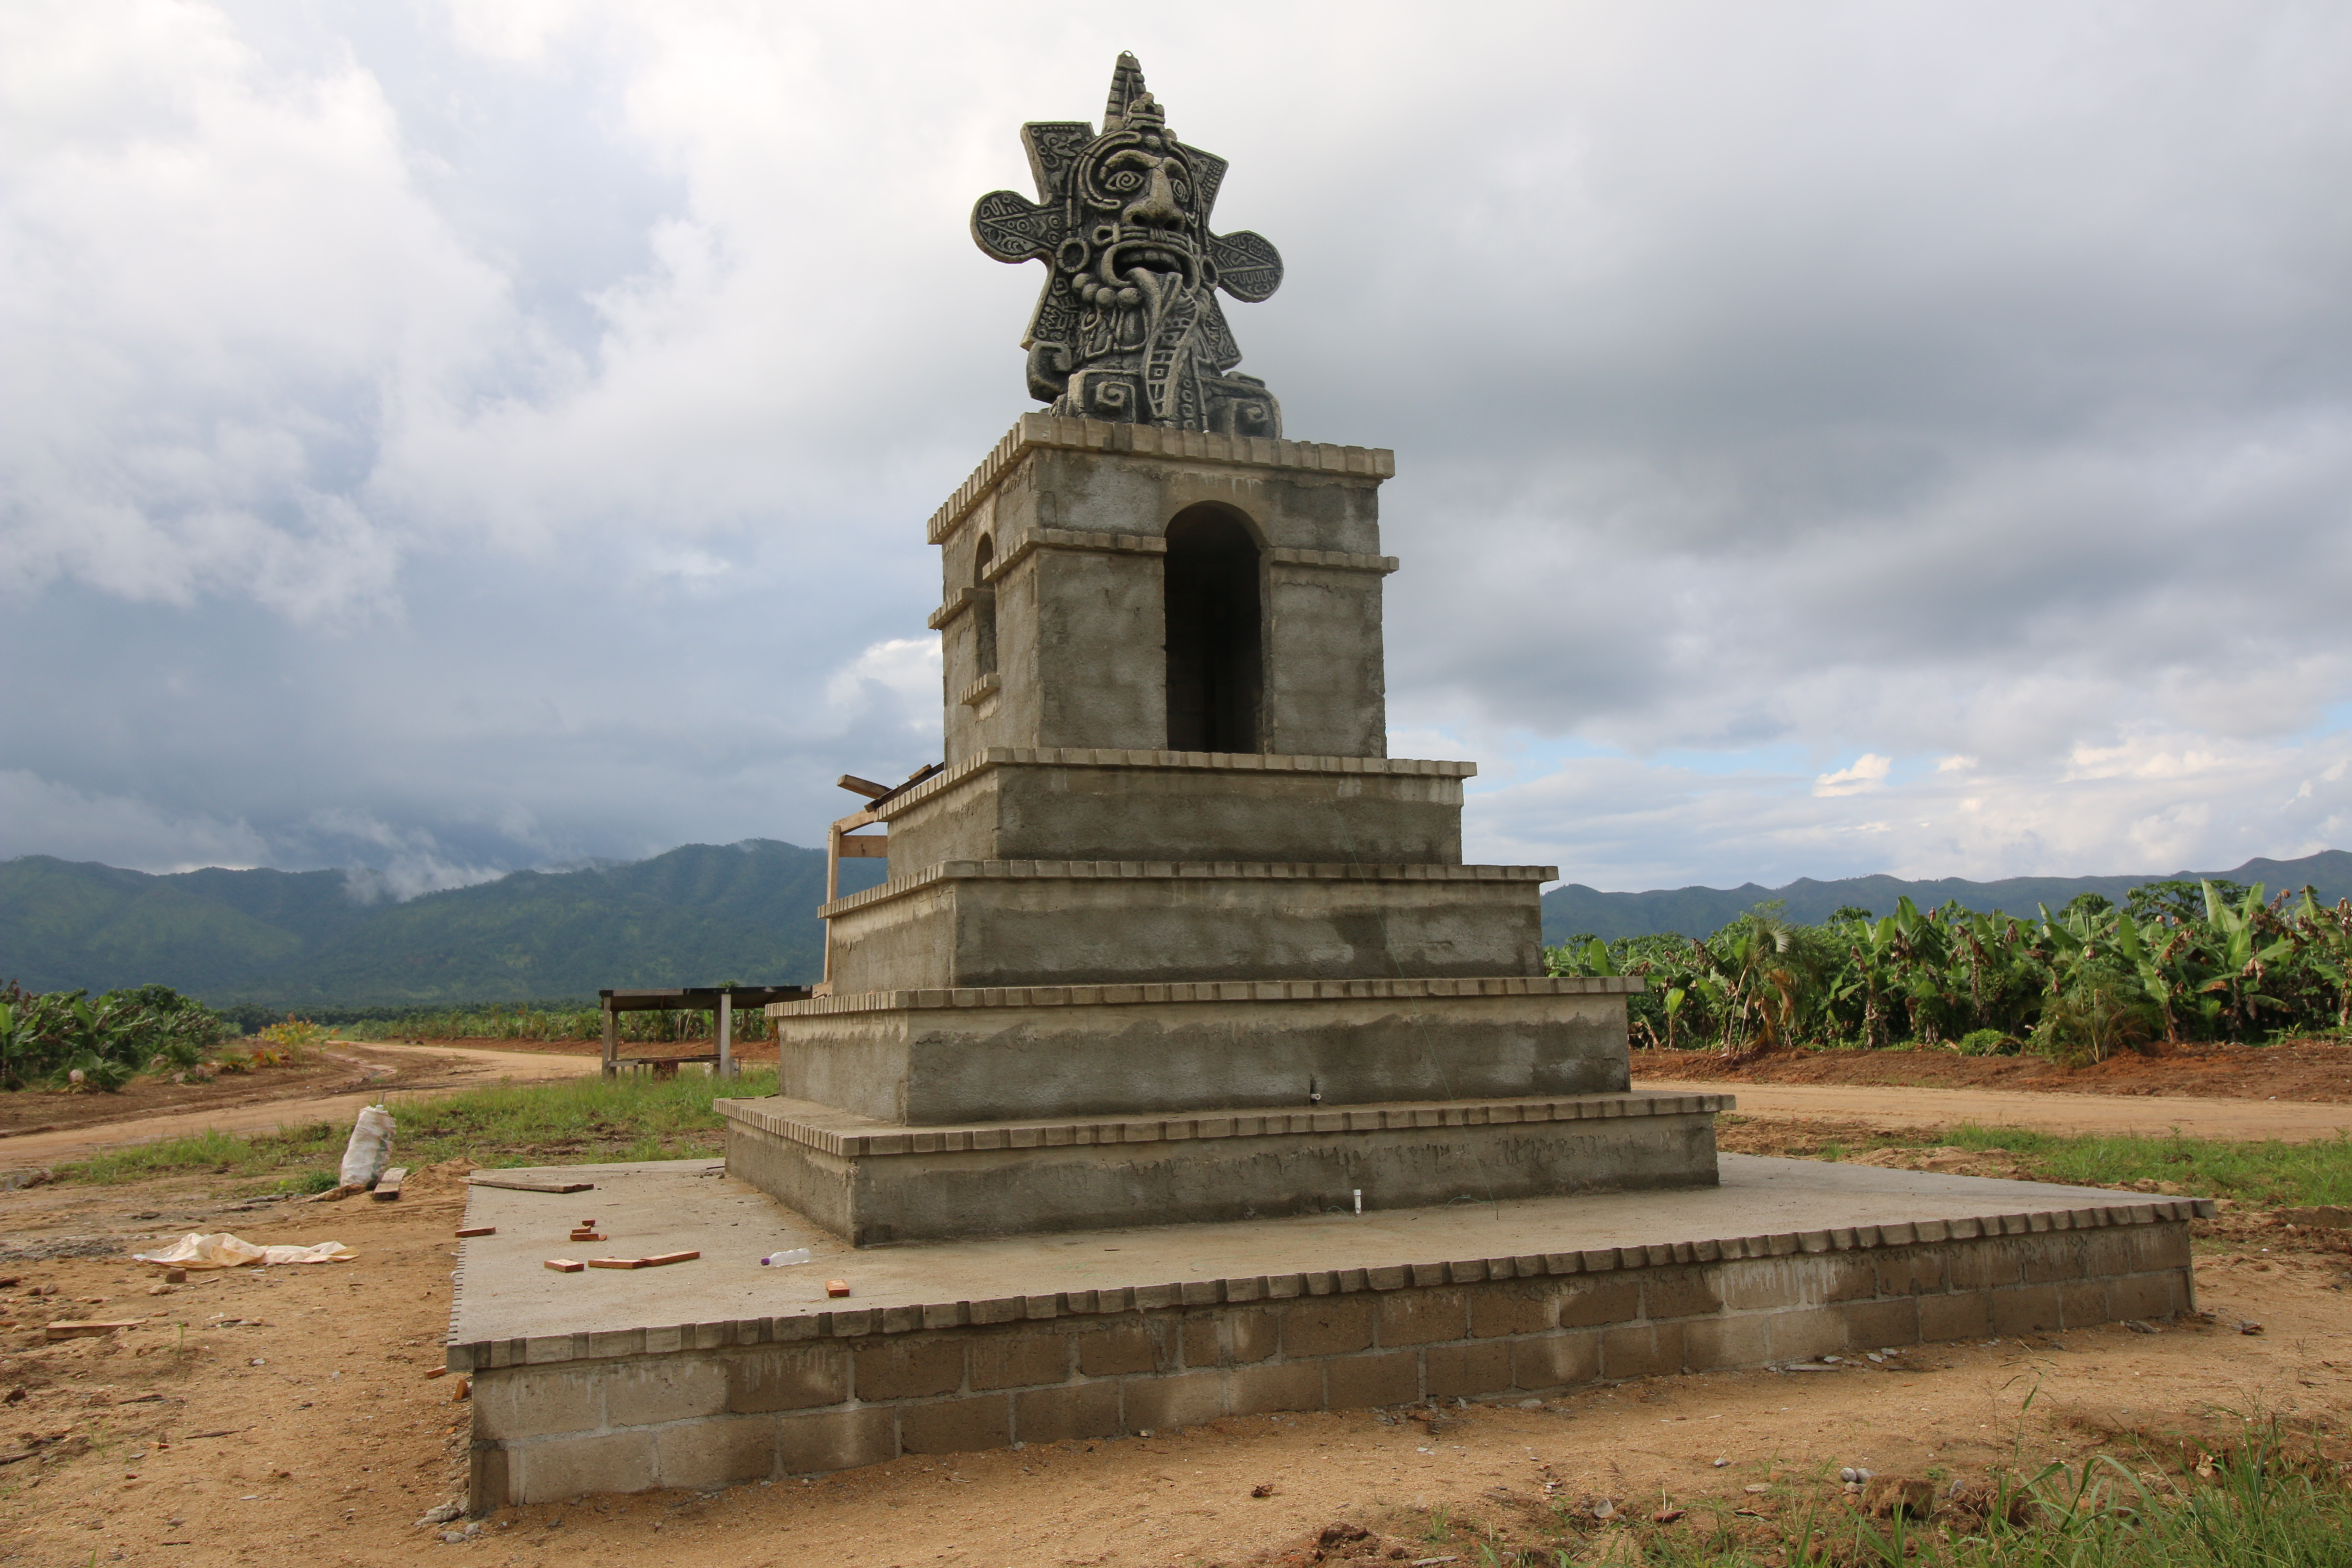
<point x="721" y="1000"/>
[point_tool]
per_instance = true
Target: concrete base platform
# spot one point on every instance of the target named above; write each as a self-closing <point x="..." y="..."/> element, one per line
<point x="719" y="1371"/>
<point x="874" y="1182"/>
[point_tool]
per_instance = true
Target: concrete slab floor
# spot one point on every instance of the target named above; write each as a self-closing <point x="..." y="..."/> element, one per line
<point x="507" y="1292"/>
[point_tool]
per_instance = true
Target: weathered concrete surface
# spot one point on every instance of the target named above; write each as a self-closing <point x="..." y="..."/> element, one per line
<point x="1048" y="923"/>
<point x="876" y="1183"/>
<point x="985" y="1055"/>
<point x="1075" y="514"/>
<point x="1148" y="810"/>
<point x="719" y="1371"/>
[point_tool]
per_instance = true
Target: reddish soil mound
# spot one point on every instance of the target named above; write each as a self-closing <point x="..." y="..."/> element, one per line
<point x="2293" y="1070"/>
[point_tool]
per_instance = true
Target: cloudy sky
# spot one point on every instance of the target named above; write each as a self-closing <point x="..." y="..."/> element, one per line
<point x="1830" y="439"/>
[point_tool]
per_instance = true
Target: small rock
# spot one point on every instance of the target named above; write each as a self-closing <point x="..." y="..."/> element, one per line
<point x="1721" y="1463"/>
<point x="2250" y="1327"/>
<point x="1263" y="1489"/>
<point x="2136" y="1326"/>
<point x="1532" y="1404"/>
<point x="440" y="1513"/>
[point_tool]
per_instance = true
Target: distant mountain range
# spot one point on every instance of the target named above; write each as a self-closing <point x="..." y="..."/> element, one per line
<point x="1574" y="908"/>
<point x="696" y="916"/>
<point x="699" y="915"/>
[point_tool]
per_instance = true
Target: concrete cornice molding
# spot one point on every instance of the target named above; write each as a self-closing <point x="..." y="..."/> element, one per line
<point x="1034" y="432"/>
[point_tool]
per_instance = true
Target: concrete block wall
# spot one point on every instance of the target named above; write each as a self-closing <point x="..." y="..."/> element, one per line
<point x="1079" y="922"/>
<point x="711" y="1404"/>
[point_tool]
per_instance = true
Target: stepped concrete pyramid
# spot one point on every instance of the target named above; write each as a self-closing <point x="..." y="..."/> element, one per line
<point x="1169" y="937"/>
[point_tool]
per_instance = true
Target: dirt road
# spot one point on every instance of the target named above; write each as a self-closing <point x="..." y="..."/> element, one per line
<point x="285" y="1416"/>
<point x="1899" y="1109"/>
<point x="409" y="1072"/>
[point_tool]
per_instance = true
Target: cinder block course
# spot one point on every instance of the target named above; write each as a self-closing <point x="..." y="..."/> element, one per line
<point x="1682" y="1292"/>
<point x="1711" y="1344"/>
<point x="910" y="1368"/>
<point x="642" y="1393"/>
<point x="956" y="1425"/>
<point x="2025" y="1310"/>
<point x="1499" y="1310"/>
<point x="2140" y="1295"/>
<point x="555" y="1467"/>
<point x="1647" y="1350"/>
<point x="1022" y="1358"/>
<point x="1281" y="1385"/>
<point x="1059" y="1415"/>
<point x="1185" y="1399"/>
<point x="1765" y="1284"/>
<point x="1252" y="1336"/>
<point x="533" y="1402"/>
<point x="1327" y="1326"/>
<point x="786" y="1378"/>
<point x="2054" y="1258"/>
<point x="1121" y="1348"/>
<point x="724" y="1452"/>
<point x="1961" y="1315"/>
<point x="1589" y="1300"/>
<point x="2083" y="1304"/>
<point x="1361" y="1382"/>
<point x="1422" y="1317"/>
<point x="827" y="1440"/>
<point x="1870" y="1324"/>
<point x="1910" y="1271"/>
<point x="1450" y="1372"/>
<point x="1556" y="1360"/>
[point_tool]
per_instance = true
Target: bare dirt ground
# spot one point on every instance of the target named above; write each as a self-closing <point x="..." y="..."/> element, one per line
<point x="1917" y="1110"/>
<point x="2291" y="1069"/>
<point x="42" y="1128"/>
<point x="285" y="1416"/>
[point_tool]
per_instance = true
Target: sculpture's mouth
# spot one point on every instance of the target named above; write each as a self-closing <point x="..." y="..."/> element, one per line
<point x="1153" y="255"/>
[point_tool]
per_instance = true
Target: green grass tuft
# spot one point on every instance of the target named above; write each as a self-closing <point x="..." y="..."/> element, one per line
<point x="2266" y="1174"/>
<point x="585" y="1121"/>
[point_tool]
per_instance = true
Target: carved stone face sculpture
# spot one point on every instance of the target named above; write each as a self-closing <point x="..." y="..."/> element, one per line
<point x="1128" y="327"/>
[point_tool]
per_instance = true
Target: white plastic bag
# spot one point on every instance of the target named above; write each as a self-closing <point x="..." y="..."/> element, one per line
<point x="222" y="1250"/>
<point x="370" y="1149"/>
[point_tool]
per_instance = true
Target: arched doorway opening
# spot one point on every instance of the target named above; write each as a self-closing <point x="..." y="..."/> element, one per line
<point x="983" y="608"/>
<point x="1214" y="657"/>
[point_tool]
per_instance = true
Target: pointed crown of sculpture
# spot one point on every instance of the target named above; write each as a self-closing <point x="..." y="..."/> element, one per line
<point x="1128" y="327"/>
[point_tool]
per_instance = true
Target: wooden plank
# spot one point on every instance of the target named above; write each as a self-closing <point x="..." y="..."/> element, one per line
<point x="528" y="1183"/>
<point x="563" y="1265"/>
<point x="873" y="847"/>
<point x="660" y="1258"/>
<point x="465" y="1231"/>
<point x="617" y="1263"/>
<point x="387" y="1187"/>
<point x="65" y="1329"/>
<point x="866" y="787"/>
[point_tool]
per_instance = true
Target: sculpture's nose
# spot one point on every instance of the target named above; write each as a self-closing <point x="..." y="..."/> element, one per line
<point x="1157" y="208"/>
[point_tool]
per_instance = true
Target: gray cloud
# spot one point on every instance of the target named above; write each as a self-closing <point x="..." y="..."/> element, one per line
<point x="447" y="439"/>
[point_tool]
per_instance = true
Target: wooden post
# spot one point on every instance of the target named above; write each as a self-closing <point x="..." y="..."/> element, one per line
<point x="612" y="1040"/>
<point x="726" y="1034"/>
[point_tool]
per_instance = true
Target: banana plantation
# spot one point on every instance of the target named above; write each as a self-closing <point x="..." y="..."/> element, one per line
<point x="2177" y="962"/>
<point x="55" y="1038"/>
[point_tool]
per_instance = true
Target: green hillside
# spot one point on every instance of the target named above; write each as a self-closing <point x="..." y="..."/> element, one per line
<point x="1575" y="909"/>
<point x="696" y="915"/>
